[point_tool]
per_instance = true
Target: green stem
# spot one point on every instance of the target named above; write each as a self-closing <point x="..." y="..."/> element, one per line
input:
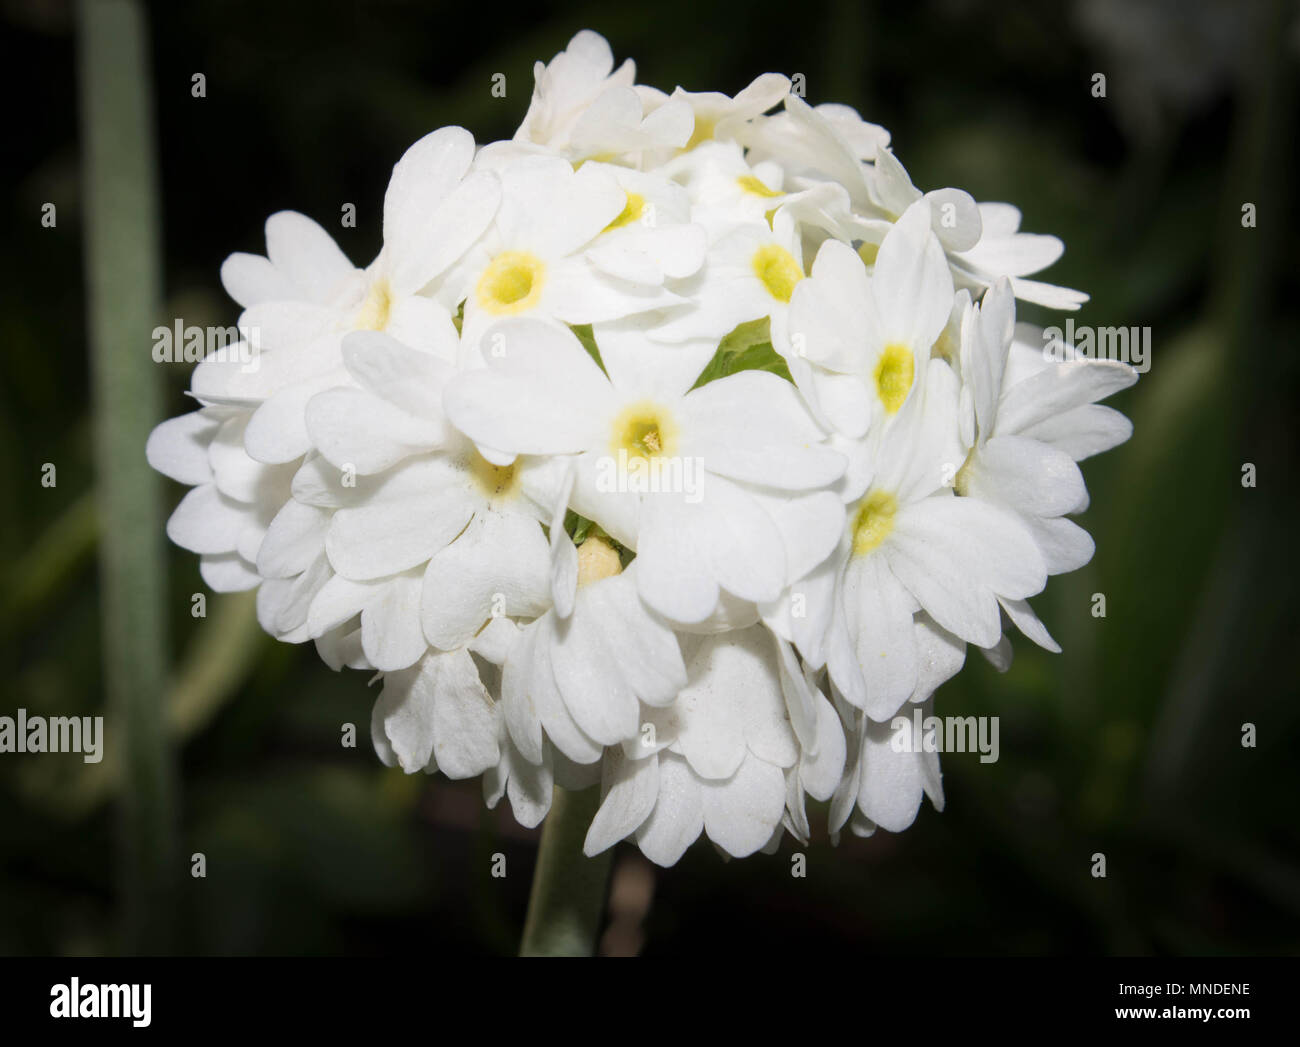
<point x="568" y="895"/>
<point x="123" y="284"/>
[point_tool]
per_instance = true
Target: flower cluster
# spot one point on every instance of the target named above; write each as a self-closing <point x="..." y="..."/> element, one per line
<point x="675" y="445"/>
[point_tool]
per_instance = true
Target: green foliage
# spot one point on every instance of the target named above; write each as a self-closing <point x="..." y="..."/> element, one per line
<point x="588" y="340"/>
<point x="747" y="348"/>
<point x="577" y="527"/>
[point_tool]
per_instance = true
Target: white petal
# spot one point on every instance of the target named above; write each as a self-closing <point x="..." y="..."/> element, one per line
<point x="464" y="718"/>
<point x="408" y="378"/>
<point x="404" y="714"/>
<point x="519" y="683"/>
<point x="741" y="813"/>
<point x="539" y="396"/>
<point x="1060" y="388"/>
<point x="250" y="278"/>
<point x="529" y="788"/>
<point x="820" y="773"/>
<point x="1028" y="475"/>
<point x="811" y="527"/>
<point x="564" y="554"/>
<point x="1064" y="544"/>
<point x="207" y="521"/>
<point x="352" y="427"/>
<point x="954" y="554"/>
<point x="307" y="256"/>
<point x="552" y="210"/>
<point x="678" y="816"/>
<point x="376" y="540"/>
<point x="955" y="218"/>
<point x="645" y="649"/>
<point x="230" y="573"/>
<point x="338" y="601"/>
<point x="277" y="432"/>
<point x="752" y="426"/>
<point x="1028" y="623"/>
<point x="498" y="566"/>
<point x="1084" y="431"/>
<point x="178" y="447"/>
<point x="294" y="539"/>
<point x="890" y="789"/>
<point x="588" y="677"/>
<point x="390" y="625"/>
<point x="939" y="656"/>
<point x="912" y="286"/>
<point x="880" y="618"/>
<point x="630" y="788"/>
<point x="556" y="720"/>
<point x="426" y="228"/>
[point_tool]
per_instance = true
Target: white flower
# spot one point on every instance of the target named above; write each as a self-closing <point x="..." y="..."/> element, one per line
<point x="540" y="257"/>
<point x="581" y="678"/>
<point x="826" y="142"/>
<point x="857" y="346"/>
<point x="566" y="87"/>
<point x="699" y="529"/>
<point x="1004" y="251"/>
<point x="1024" y="437"/>
<point x="431" y="533"/>
<point x="233" y="498"/>
<point x="888" y="773"/>
<point x="437" y="716"/>
<point x="911" y="544"/>
<point x="716" y="117"/>
<point x="751" y="272"/>
<point x="606" y="487"/>
<point x="305" y="296"/>
<point x="713" y="761"/>
<point x="725" y="191"/>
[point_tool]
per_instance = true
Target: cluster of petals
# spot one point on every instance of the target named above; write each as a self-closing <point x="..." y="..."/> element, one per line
<point x="523" y="471"/>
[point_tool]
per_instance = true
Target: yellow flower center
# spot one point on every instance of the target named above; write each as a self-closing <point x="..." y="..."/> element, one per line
<point x="512" y="283"/>
<point x="597" y="559"/>
<point x="961" y="482"/>
<point x="702" y="133"/>
<point x="873" y="521"/>
<point x="778" y="271"/>
<point x="893" y="376"/>
<point x="495" y="481"/>
<point x="868" y="251"/>
<point x="946" y="347"/>
<point x="632" y="212"/>
<point x="752" y="184"/>
<point x="644" y="430"/>
<point x="373" y="314"/>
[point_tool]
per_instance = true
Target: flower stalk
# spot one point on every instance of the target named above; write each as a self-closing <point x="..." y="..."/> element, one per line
<point x="567" y="899"/>
<point x="123" y="286"/>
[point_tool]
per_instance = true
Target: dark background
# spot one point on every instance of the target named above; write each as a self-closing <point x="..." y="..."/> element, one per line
<point x="1128" y="744"/>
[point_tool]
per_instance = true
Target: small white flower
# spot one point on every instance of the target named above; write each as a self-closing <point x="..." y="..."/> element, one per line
<point x="544" y="258"/>
<point x="568" y="85"/>
<point x="702" y="531"/>
<point x="306" y="296"/>
<point x="233" y="498"/>
<point x="712" y="761"/>
<point x="858" y="346"/>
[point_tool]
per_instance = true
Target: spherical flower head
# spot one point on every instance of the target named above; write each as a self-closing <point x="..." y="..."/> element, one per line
<point x="676" y="448"/>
